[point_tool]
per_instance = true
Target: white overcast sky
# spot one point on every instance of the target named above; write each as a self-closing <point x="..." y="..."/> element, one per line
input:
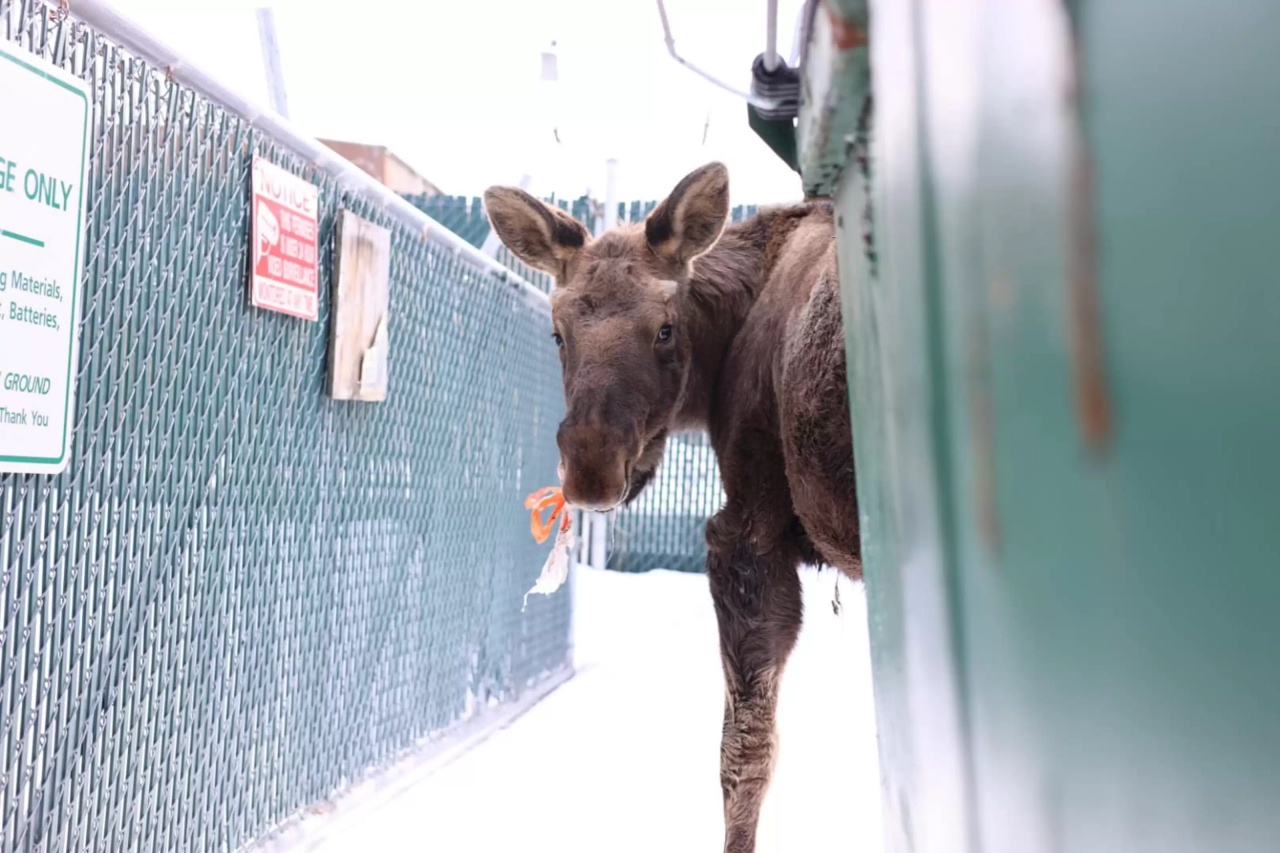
<point x="454" y="87"/>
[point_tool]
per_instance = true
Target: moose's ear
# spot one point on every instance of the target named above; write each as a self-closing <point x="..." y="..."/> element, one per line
<point x="540" y="235"/>
<point x="688" y="222"/>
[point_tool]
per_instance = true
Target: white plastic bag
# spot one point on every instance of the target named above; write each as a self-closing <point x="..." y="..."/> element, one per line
<point x="555" y="571"/>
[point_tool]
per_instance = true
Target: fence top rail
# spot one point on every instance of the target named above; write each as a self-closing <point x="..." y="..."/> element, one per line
<point x="129" y="34"/>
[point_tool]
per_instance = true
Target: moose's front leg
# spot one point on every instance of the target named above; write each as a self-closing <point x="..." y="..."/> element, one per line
<point x="758" y="606"/>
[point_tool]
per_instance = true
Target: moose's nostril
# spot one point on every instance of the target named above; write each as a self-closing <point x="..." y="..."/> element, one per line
<point x="596" y="482"/>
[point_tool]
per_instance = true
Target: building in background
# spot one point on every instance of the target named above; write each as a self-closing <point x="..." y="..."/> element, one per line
<point x="385" y="166"/>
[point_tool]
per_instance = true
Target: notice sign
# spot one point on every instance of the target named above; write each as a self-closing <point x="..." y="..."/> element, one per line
<point x="44" y="157"/>
<point x="286" y="270"/>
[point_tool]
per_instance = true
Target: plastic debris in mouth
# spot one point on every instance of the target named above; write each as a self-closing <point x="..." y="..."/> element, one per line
<point x="555" y="571"/>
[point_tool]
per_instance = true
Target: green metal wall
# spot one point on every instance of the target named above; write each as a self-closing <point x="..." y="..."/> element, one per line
<point x="242" y="596"/>
<point x="1066" y="396"/>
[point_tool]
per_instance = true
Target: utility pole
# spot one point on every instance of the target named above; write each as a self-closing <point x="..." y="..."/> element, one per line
<point x="611" y="193"/>
<point x="271" y="60"/>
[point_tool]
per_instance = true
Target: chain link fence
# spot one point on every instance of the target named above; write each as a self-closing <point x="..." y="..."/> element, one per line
<point x="665" y="528"/>
<point x="466" y="217"/>
<point x="242" y="596"/>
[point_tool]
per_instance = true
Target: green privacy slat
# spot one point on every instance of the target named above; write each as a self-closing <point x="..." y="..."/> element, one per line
<point x="242" y="596"/>
<point x="664" y="527"/>
<point x="467" y="219"/>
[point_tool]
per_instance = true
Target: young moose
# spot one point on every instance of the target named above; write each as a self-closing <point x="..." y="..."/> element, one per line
<point x="681" y="324"/>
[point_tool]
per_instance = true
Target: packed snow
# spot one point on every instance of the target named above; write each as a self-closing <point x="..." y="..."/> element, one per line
<point x="624" y="756"/>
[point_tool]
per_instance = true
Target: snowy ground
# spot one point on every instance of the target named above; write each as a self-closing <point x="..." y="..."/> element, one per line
<point x="624" y="757"/>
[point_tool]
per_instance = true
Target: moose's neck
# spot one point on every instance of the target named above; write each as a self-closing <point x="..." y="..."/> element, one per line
<point x="725" y="284"/>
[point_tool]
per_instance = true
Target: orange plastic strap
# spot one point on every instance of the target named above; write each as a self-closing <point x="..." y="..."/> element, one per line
<point x="540" y="500"/>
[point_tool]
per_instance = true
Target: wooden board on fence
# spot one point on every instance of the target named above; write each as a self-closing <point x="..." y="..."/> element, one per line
<point x="361" y="287"/>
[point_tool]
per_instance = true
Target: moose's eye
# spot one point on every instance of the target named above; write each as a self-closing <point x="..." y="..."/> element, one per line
<point x="555" y="336"/>
<point x="664" y="334"/>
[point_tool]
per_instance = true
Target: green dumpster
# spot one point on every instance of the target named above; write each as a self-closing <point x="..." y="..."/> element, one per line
<point x="1060" y="260"/>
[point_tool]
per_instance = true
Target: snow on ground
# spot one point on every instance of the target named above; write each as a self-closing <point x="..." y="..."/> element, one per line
<point x="624" y="757"/>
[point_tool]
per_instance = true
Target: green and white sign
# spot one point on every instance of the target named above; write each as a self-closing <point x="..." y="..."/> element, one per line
<point x="44" y="157"/>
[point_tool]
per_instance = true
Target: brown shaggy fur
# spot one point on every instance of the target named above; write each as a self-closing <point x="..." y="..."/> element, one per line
<point x="681" y="324"/>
